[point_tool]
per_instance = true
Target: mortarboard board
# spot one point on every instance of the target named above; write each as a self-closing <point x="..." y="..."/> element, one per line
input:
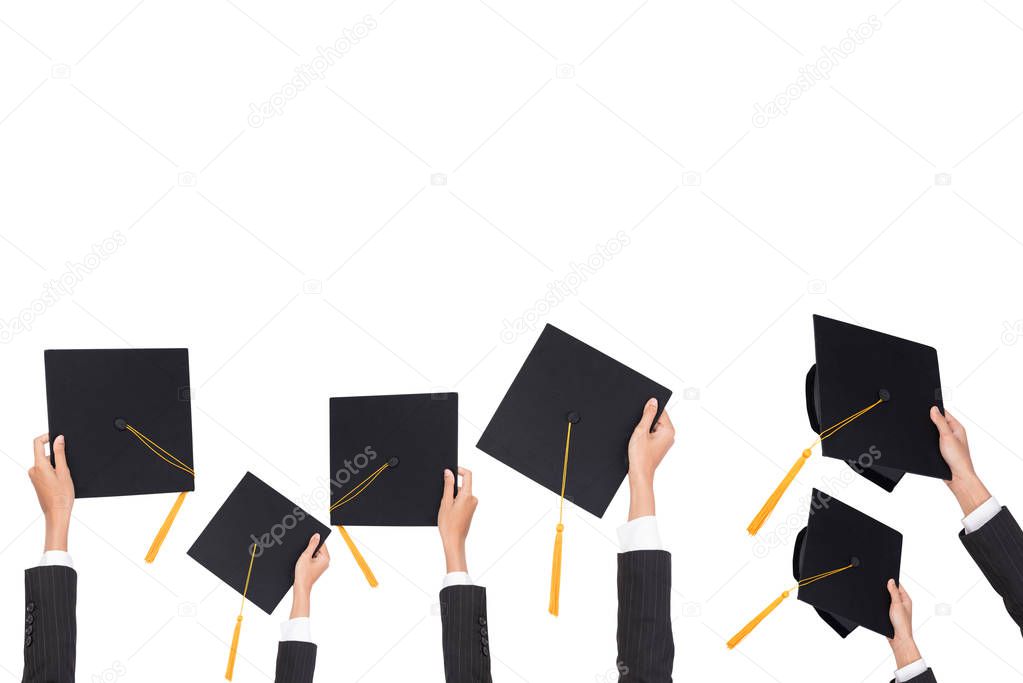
<point x="842" y="561"/>
<point x="853" y="364"/>
<point x="126" y="418"/>
<point x="565" y="423"/>
<point x="252" y="544"/>
<point x="387" y="458"/>
<point x="868" y="397"/>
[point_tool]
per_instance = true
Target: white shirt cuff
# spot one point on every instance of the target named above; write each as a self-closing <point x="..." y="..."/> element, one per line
<point x="984" y="513"/>
<point x="910" y="671"/>
<point x="639" y="534"/>
<point x="56" y="558"/>
<point x="458" y="579"/>
<point x="296" y="630"/>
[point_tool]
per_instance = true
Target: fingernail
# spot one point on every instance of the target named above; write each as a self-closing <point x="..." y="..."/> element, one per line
<point x="448" y="474"/>
<point x="316" y="537"/>
<point x="652" y="402"/>
<point x="60" y="439"/>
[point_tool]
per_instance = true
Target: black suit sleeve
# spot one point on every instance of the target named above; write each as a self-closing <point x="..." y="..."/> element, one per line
<point x="466" y="642"/>
<point x="646" y="648"/>
<point x="997" y="548"/>
<point x="925" y="677"/>
<point x="51" y="594"/>
<point x="295" y="662"/>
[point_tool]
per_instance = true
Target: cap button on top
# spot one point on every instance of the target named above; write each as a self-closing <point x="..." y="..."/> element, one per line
<point x="855" y="561"/>
<point x="393" y="462"/>
<point x="120" y="424"/>
<point x="884" y="394"/>
<point x="572" y="417"/>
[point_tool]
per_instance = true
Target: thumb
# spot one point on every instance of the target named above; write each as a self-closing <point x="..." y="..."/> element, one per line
<point x="313" y="542"/>
<point x="940" y="422"/>
<point x="893" y="590"/>
<point x="59" y="458"/>
<point x="449" y="487"/>
<point x="647" y="421"/>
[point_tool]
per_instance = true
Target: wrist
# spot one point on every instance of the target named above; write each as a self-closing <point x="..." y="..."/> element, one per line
<point x="905" y="652"/>
<point x="454" y="557"/>
<point x="301" y="601"/>
<point x="56" y="534"/>
<point x="969" y="492"/>
<point x="641" y="496"/>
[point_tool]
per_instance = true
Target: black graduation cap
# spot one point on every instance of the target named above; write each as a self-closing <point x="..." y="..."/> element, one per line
<point x="854" y="367"/>
<point x="387" y="459"/>
<point x="842" y="562"/>
<point x="126" y="419"/>
<point x="564" y="380"/>
<point x="837" y="534"/>
<point x="252" y="544"/>
<point x="869" y="398"/>
<point x="92" y="395"/>
<point x="566" y="421"/>
<point x="255" y="514"/>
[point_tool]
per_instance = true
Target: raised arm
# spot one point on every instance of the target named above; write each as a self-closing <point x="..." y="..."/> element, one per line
<point x="646" y="647"/>
<point x="51" y="588"/>
<point x="990" y="533"/>
<point x="465" y="637"/>
<point x="296" y="653"/>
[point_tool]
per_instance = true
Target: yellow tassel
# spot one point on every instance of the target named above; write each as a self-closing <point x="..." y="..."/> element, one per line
<point x="556" y="572"/>
<point x="162" y="533"/>
<point x="359" y="559"/>
<point x="769" y="506"/>
<point x="234" y="648"/>
<point x="748" y="628"/>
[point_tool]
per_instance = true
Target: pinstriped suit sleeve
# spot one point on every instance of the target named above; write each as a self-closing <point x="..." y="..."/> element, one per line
<point x="997" y="548"/>
<point x="295" y="662"/>
<point x="646" y="647"/>
<point x="465" y="640"/>
<point x="51" y="594"/>
<point x="925" y="677"/>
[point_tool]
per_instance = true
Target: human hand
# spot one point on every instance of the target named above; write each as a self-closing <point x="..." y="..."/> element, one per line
<point x="55" y="490"/>
<point x="901" y="614"/>
<point x="310" y="566"/>
<point x="454" y="518"/>
<point x="965" y="485"/>
<point x="646" y="451"/>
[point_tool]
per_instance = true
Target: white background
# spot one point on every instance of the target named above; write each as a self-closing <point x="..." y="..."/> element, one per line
<point x="313" y="256"/>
